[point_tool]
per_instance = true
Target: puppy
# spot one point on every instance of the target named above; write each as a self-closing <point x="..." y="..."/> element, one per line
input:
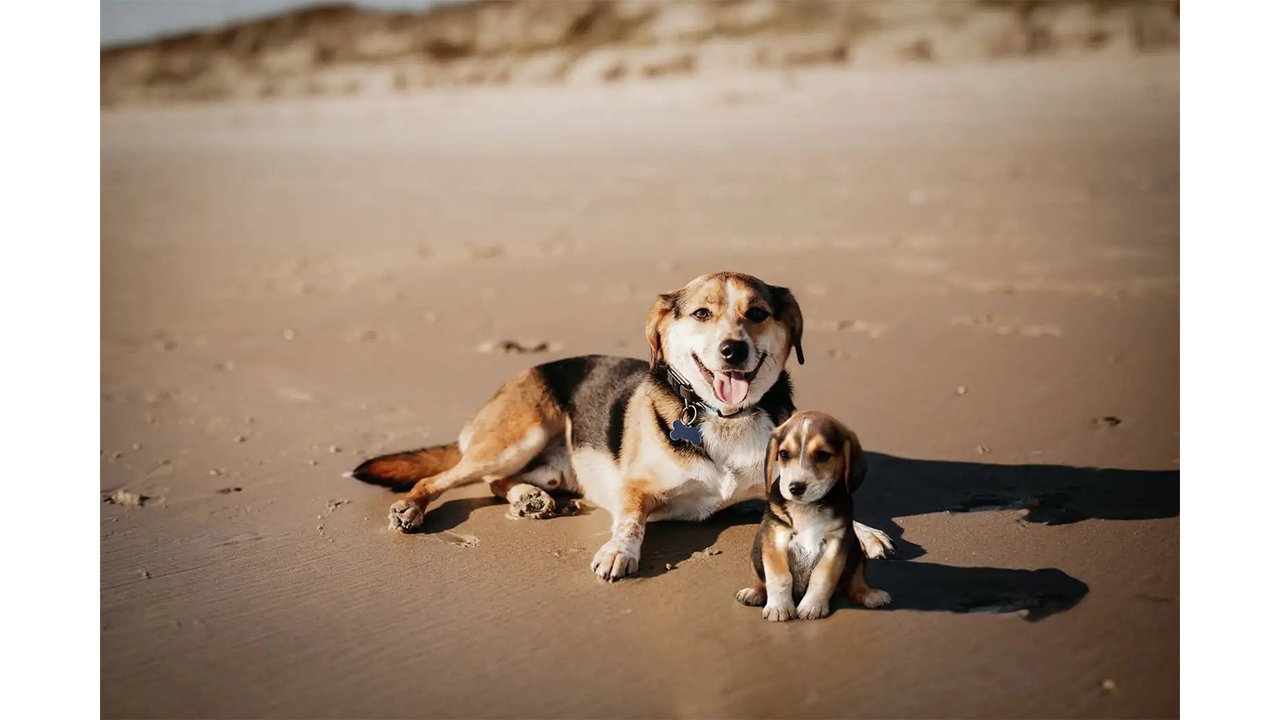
<point x="806" y="550"/>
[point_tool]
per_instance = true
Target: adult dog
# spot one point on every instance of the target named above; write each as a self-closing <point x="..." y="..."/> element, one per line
<point x="677" y="438"/>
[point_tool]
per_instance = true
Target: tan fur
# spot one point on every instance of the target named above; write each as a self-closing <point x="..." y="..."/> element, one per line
<point x="861" y="593"/>
<point x="498" y="444"/>
<point x="753" y="595"/>
<point x="655" y="324"/>
<point x="770" y="463"/>
<point x="779" y="605"/>
<point x="401" y="470"/>
<point x="791" y="317"/>
<point x="643" y="435"/>
<point x="774" y="555"/>
<point x="846" y="457"/>
<point x="621" y="555"/>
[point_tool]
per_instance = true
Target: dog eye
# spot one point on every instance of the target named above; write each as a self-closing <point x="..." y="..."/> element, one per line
<point x="821" y="456"/>
<point x="784" y="455"/>
<point x="756" y="314"/>
<point x="702" y="314"/>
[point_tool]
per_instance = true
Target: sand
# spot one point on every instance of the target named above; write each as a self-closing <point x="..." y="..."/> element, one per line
<point x="987" y="260"/>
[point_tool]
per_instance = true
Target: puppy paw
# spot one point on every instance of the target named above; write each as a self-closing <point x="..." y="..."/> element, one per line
<point x="875" y="543"/>
<point x="536" y="504"/>
<point x="813" y="609"/>
<point x="751" y="596"/>
<point x="405" y="516"/>
<point x="778" y="613"/>
<point x="613" y="562"/>
<point x="873" y="598"/>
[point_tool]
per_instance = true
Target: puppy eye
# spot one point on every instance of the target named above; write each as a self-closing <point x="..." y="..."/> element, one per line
<point x="702" y="314"/>
<point x="821" y="456"/>
<point x="756" y="314"/>
<point x="784" y="455"/>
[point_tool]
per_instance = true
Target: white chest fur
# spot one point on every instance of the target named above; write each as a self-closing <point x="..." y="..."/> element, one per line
<point x="737" y="448"/>
<point x="810" y="528"/>
<point x="806" y="543"/>
<point x="733" y="470"/>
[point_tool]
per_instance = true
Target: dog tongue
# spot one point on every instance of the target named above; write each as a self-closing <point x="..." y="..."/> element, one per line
<point x="730" y="388"/>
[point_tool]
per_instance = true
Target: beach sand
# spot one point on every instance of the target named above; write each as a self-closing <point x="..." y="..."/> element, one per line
<point x="987" y="260"/>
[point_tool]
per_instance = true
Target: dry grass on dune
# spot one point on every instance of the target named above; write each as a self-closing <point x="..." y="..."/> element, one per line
<point x="342" y="50"/>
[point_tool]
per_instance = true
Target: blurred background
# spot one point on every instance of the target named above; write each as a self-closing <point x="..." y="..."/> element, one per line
<point x="331" y="231"/>
<point x="158" y="50"/>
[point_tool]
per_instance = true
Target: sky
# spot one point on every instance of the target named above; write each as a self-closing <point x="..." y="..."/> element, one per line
<point x="126" y="21"/>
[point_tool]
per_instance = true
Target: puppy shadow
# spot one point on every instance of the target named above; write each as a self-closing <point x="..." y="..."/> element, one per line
<point x="1029" y="594"/>
<point x="1032" y="595"/>
<point x="1046" y="494"/>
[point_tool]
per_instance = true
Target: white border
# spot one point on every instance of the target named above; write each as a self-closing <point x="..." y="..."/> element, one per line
<point x="1231" y="290"/>
<point x="1230" y="357"/>
<point x="50" y="368"/>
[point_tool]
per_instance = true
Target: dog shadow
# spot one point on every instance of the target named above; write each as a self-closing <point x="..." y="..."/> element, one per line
<point x="1048" y="494"/>
<point x="899" y="487"/>
<point x="452" y="513"/>
<point x="673" y="542"/>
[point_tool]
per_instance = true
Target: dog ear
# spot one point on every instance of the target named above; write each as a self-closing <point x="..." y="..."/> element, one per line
<point x="770" y="462"/>
<point x="659" y="315"/>
<point x="787" y="310"/>
<point x="855" y="463"/>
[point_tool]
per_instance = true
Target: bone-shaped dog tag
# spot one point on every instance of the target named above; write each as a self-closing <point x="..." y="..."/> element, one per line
<point x="688" y="433"/>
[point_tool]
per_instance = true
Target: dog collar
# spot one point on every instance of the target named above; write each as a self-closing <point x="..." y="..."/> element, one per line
<point x="686" y="428"/>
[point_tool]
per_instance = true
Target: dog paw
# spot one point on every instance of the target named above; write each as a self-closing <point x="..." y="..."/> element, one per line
<point x="535" y="504"/>
<point x="873" y="598"/>
<point x="778" y="613"/>
<point x="812" y="610"/>
<point x="751" y="596"/>
<point x="405" y="516"/>
<point x="614" y="563"/>
<point x="875" y="543"/>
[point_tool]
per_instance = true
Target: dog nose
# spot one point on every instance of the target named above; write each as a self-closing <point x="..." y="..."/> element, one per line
<point x="734" y="351"/>
<point x="797" y="489"/>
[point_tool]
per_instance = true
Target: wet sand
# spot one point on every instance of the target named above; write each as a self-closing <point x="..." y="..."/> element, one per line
<point x="987" y="260"/>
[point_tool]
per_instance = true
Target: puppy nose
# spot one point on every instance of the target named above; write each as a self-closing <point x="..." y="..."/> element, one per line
<point x="797" y="489"/>
<point x="734" y="351"/>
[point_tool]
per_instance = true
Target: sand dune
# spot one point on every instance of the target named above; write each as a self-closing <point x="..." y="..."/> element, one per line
<point x="344" y="50"/>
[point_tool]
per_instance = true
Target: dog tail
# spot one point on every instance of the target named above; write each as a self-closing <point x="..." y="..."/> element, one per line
<point x="401" y="470"/>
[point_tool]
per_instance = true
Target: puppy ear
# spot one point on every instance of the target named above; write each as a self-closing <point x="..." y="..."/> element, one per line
<point x="770" y="462"/>
<point x="659" y="315"/>
<point x="855" y="463"/>
<point x="788" y="311"/>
